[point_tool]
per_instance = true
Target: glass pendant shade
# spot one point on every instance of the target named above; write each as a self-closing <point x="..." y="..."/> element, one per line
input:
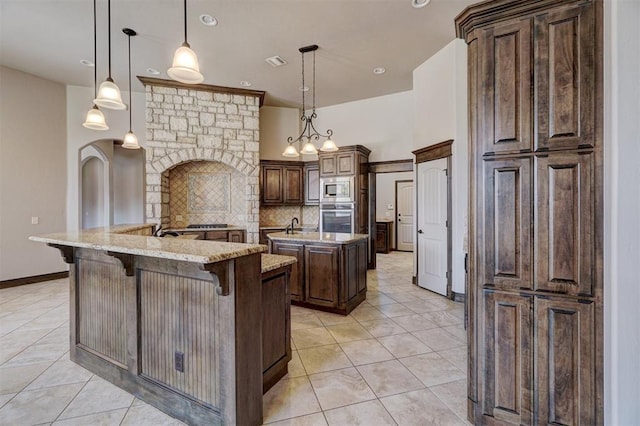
<point x="130" y="141"/>
<point x="329" y="146"/>
<point x="185" y="68"/>
<point x="308" y="148"/>
<point x="291" y="151"/>
<point x="95" y="120"/>
<point x="109" y="96"/>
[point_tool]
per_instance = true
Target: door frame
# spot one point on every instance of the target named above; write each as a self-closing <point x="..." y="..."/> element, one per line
<point x="395" y="237"/>
<point x="423" y="155"/>
<point x="394" y="166"/>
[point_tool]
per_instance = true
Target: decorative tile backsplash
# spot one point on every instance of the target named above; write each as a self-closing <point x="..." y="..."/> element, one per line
<point x="206" y="192"/>
<point x="281" y="216"/>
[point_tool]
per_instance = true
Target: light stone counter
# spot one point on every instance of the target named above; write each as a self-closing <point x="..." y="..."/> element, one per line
<point x="121" y="229"/>
<point x="228" y="228"/>
<point x="196" y="251"/>
<point x="275" y="261"/>
<point x="316" y="237"/>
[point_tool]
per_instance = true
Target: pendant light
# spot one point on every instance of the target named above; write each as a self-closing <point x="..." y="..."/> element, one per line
<point x="130" y="139"/>
<point x="309" y="133"/>
<point x="185" y="68"/>
<point x="95" y="118"/>
<point x="109" y="94"/>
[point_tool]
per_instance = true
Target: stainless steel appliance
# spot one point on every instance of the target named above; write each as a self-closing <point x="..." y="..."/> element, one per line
<point x="338" y="189"/>
<point x="337" y="217"/>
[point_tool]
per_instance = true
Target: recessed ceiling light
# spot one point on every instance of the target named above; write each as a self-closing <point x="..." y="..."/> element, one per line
<point x="245" y="83"/>
<point x="87" y="63"/>
<point x="208" y="20"/>
<point x="419" y="3"/>
<point x="303" y="88"/>
<point x="379" y="70"/>
<point x="276" y="61"/>
<point x="153" y="71"/>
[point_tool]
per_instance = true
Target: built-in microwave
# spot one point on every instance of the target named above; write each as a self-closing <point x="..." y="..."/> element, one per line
<point x="337" y="190"/>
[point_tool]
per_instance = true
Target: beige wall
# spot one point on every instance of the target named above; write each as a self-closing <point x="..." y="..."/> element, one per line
<point x="32" y="172"/>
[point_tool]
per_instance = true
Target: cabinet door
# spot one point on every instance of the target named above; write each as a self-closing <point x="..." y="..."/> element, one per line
<point x="236" y="236"/>
<point x="328" y="166"/>
<point x="276" y="328"/>
<point x="382" y="238"/>
<point x="506" y="81"/>
<point x="322" y="276"/>
<point x="506" y="239"/>
<point x="565" y="379"/>
<point x="565" y="70"/>
<point x="217" y="236"/>
<point x="345" y="163"/>
<point x="565" y="224"/>
<point x="507" y="372"/>
<point x="293" y="178"/>
<point x="272" y="185"/>
<point x="297" y="269"/>
<point x="312" y="185"/>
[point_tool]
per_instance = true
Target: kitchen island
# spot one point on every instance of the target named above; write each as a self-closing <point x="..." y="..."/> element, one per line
<point x="170" y="320"/>
<point x="331" y="272"/>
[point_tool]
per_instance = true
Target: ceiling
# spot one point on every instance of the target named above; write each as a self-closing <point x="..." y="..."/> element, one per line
<point x="48" y="38"/>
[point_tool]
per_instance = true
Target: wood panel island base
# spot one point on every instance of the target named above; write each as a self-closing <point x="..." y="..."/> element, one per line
<point x="174" y="322"/>
<point x="331" y="272"/>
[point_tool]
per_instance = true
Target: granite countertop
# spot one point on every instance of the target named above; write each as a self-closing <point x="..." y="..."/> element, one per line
<point x="384" y="219"/>
<point x="316" y="237"/>
<point x="196" y="251"/>
<point x="120" y="229"/>
<point x="228" y="228"/>
<point x="275" y="261"/>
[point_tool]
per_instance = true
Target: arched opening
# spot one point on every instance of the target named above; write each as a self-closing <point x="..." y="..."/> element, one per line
<point x="93" y="193"/>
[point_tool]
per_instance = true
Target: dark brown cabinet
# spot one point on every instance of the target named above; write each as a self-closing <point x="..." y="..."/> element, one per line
<point x="383" y="237"/>
<point x="311" y="183"/>
<point x="226" y="236"/>
<point x="535" y="279"/>
<point x="330" y="277"/>
<point x="337" y="163"/>
<point x="281" y="183"/>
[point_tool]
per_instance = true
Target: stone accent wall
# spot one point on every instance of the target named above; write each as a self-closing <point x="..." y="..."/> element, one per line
<point x="281" y="216"/>
<point x="192" y="125"/>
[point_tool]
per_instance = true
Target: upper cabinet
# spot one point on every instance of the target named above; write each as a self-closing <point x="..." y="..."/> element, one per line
<point x="311" y="183"/>
<point x="337" y="163"/>
<point x="281" y="183"/>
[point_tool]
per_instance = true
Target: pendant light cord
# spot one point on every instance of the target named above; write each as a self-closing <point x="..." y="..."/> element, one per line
<point x="130" y="109"/>
<point x="304" y="107"/>
<point x="95" y="54"/>
<point x="314" y="82"/>
<point x="109" y="31"/>
<point x="185" y="22"/>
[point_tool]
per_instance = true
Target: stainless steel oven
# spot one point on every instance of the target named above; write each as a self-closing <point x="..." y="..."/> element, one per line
<point x="337" y="190"/>
<point x="338" y="217"/>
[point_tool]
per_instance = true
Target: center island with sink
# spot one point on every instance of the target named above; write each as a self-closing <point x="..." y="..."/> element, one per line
<point x="331" y="272"/>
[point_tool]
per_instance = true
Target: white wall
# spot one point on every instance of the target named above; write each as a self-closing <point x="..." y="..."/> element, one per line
<point x="79" y="100"/>
<point x="386" y="194"/>
<point x="622" y="210"/>
<point x="276" y="125"/>
<point x="128" y="185"/>
<point x="440" y="113"/>
<point x="32" y="172"/>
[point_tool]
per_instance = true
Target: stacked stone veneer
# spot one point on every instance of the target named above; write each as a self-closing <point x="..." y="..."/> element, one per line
<point x="191" y="125"/>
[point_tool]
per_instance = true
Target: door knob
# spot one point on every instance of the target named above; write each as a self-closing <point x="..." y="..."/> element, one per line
<point x="399" y="220"/>
<point x="420" y="231"/>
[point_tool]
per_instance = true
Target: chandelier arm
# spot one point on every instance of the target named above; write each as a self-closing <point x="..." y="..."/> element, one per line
<point x="317" y="134"/>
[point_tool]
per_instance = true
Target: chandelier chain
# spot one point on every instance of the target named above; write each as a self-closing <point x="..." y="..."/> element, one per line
<point x="314" y="82"/>
<point x="109" y="31"/>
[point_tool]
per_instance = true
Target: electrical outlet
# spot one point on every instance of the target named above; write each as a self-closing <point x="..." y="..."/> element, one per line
<point x="390" y="206"/>
<point x="35" y="220"/>
<point x="179" y="361"/>
<point x="178" y="218"/>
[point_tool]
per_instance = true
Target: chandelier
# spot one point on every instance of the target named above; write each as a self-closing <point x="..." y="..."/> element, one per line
<point x="309" y="133"/>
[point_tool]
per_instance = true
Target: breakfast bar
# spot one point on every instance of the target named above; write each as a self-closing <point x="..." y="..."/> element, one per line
<point x="172" y="321"/>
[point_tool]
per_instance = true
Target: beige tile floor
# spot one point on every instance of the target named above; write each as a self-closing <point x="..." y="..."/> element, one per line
<point x="399" y="358"/>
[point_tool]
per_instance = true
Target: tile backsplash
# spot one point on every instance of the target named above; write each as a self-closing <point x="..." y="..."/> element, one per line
<point x="206" y="192"/>
<point x="281" y="216"/>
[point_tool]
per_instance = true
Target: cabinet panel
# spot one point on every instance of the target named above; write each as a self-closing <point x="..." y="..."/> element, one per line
<point x="217" y="236"/>
<point x="383" y="237"/>
<point x="564" y="224"/>
<point x="506" y="67"/>
<point x="293" y="185"/>
<point x="565" y="78"/>
<point x="297" y="269"/>
<point x="328" y="166"/>
<point x="312" y="184"/>
<point x="236" y="237"/>
<point x="272" y="189"/>
<point x="276" y="330"/>
<point x="507" y="357"/>
<point x="565" y="382"/>
<point x="322" y="275"/>
<point x="507" y="222"/>
<point x="345" y="163"/>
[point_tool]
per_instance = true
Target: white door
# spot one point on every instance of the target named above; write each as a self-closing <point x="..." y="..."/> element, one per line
<point x="404" y="215"/>
<point x="432" y="225"/>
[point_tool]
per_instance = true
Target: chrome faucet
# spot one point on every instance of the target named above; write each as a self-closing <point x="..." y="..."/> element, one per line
<point x="290" y="227"/>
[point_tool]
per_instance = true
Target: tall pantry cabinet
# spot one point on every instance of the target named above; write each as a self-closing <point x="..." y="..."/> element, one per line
<point x="535" y="278"/>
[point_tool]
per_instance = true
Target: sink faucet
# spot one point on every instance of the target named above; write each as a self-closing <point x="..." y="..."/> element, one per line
<point x="290" y="227"/>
